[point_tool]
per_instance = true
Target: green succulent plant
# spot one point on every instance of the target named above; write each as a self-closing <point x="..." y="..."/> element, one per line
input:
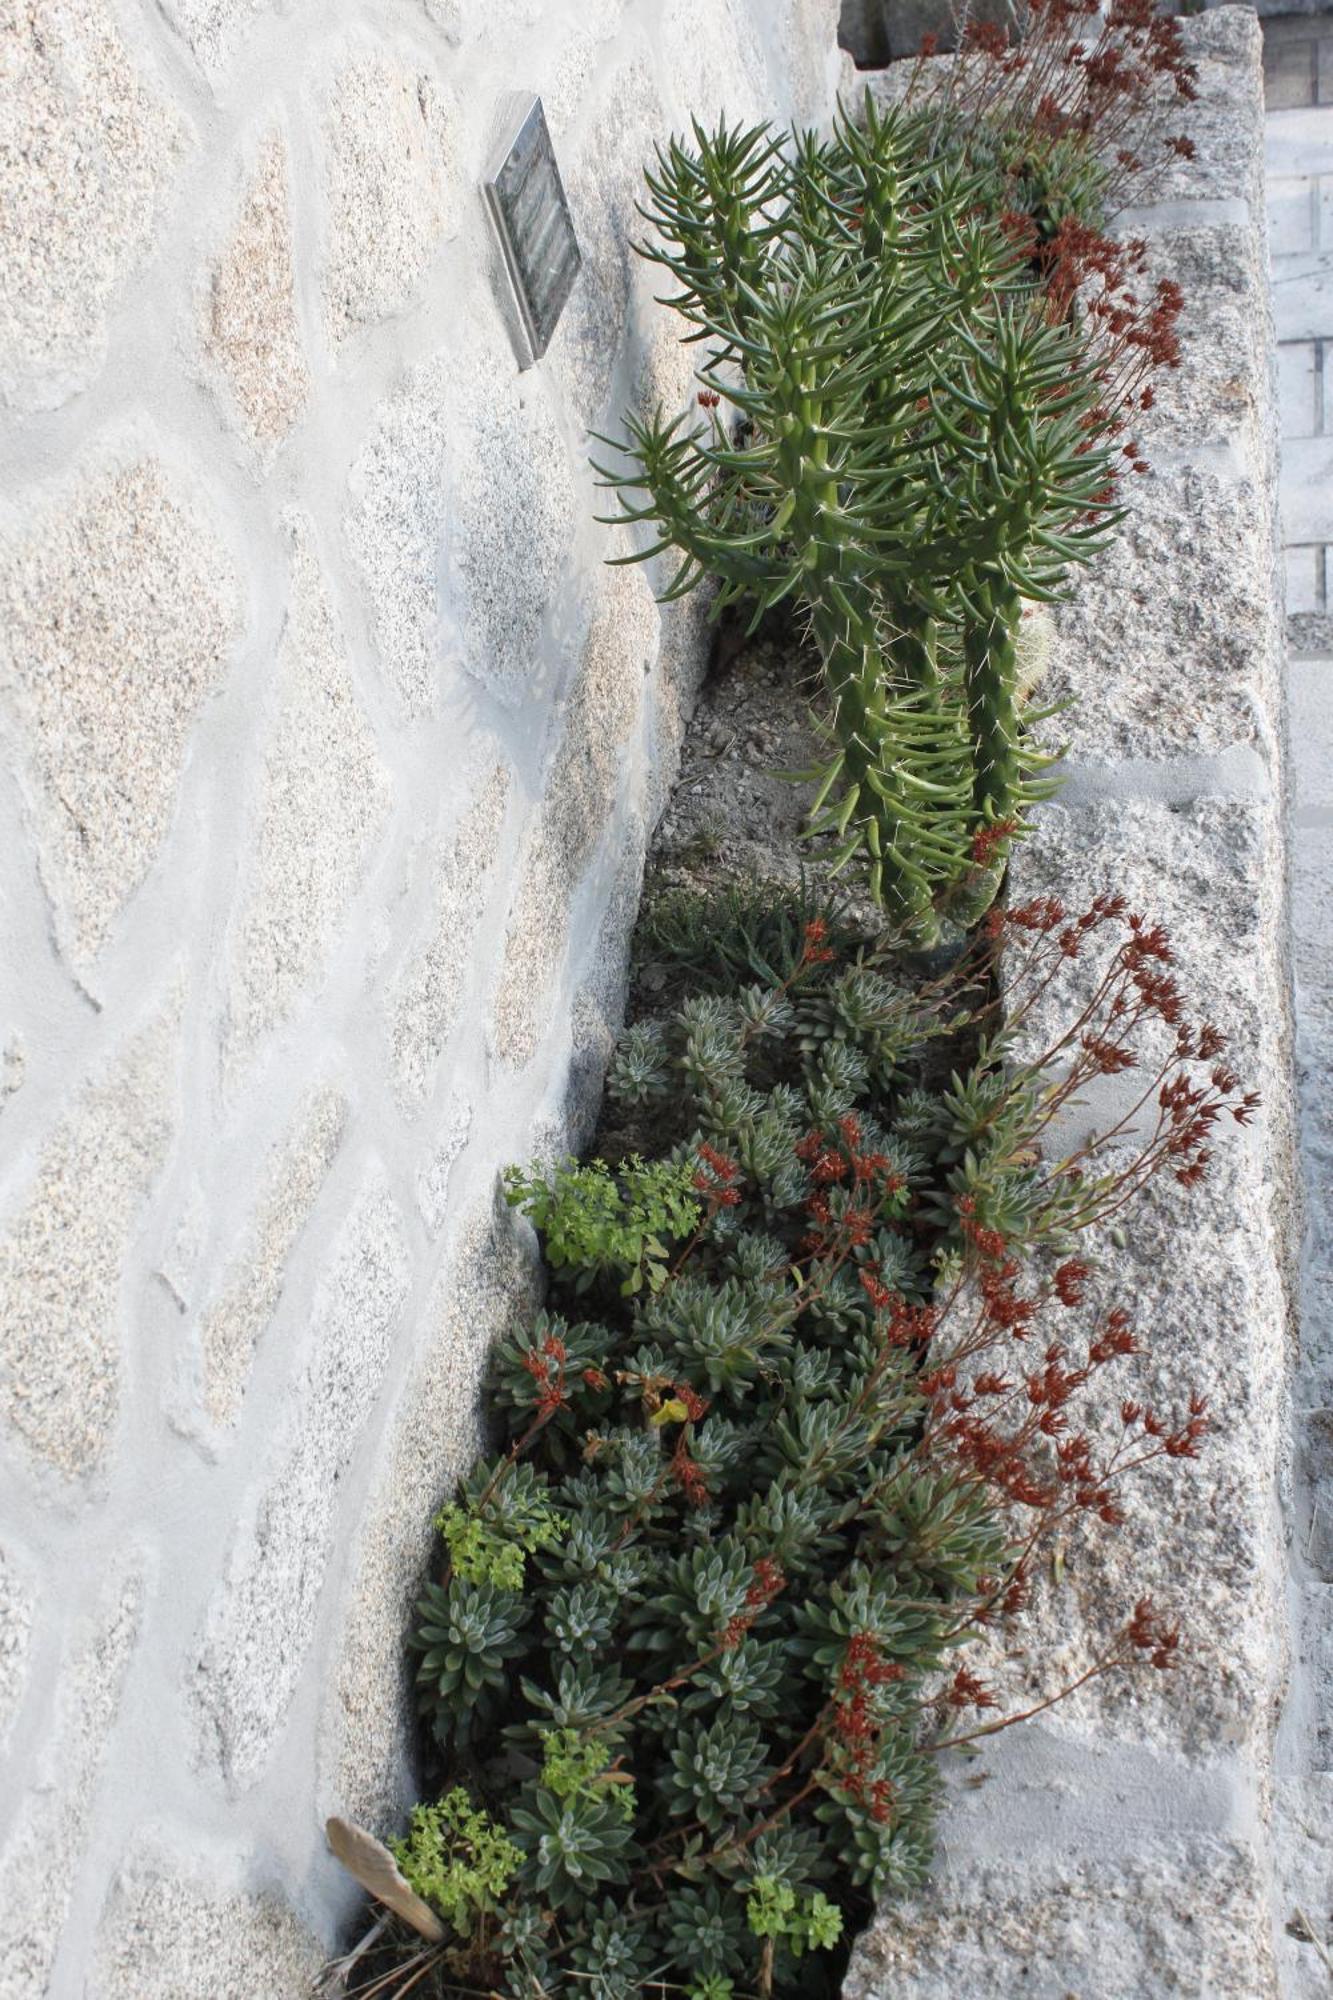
<point x="901" y="442"/>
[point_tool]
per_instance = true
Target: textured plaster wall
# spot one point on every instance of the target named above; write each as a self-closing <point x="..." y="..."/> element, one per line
<point x="328" y="752"/>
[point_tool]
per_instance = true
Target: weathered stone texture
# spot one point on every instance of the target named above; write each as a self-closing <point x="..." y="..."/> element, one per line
<point x="13" y="1067"/>
<point x="597" y="1014"/>
<point x="116" y="613"/>
<point x="461" y="454"/>
<point x="392" y="187"/>
<point x="62" y="1258"/>
<point x="262" y="1617"/>
<point x="1174" y="625"/>
<point x="487" y="1282"/>
<point x="433" y="1175"/>
<point x="86" y="142"/>
<point x="603" y="181"/>
<point x="600" y="716"/>
<point x="715" y="58"/>
<point x="167" y="1936"/>
<point x="17" y="1602"/>
<point x="1185" y="1917"/>
<point x="230" y="1329"/>
<point x="1226" y="122"/>
<point x="425" y="1006"/>
<point x="213" y="29"/>
<point x="251" y="339"/>
<point x="1201" y="1278"/>
<point x="41" y="1857"/>
<point x="324" y="800"/>
<point x="261" y="394"/>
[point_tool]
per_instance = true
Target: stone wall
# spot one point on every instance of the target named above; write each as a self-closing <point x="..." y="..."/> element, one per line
<point x="329" y="746"/>
<point x="1142" y="1838"/>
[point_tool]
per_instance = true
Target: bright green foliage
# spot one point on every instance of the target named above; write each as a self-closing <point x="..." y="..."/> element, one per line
<point x="809" y="1924"/>
<point x="715" y="1987"/>
<point x="918" y="451"/>
<point x="579" y="1767"/>
<point x="496" y="1525"/>
<point x="593" y="1221"/>
<point x="457" y="1859"/>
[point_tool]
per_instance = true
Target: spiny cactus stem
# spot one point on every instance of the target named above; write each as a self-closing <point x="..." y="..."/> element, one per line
<point x="990" y="674"/>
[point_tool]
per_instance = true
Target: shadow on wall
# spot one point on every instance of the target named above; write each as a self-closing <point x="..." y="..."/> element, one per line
<point x="875" y="32"/>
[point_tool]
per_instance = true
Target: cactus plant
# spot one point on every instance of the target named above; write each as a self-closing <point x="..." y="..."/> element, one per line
<point x="899" y="438"/>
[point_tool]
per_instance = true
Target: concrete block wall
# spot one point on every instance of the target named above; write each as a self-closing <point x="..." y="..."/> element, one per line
<point x="328" y="748"/>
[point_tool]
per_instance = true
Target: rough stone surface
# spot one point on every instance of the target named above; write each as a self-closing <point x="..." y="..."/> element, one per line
<point x="488" y="1280"/>
<point x="231" y="1327"/>
<point x="1172" y="625"/>
<point x="262" y="1618"/>
<point x="298" y="708"/>
<point x="601" y="713"/>
<point x="118" y="610"/>
<point x="62" y="1257"/>
<point x="1226" y="122"/>
<point x="249" y="329"/>
<point x="165" y="1936"/>
<point x="42" y="1855"/>
<point x="86" y="143"/>
<point x="214" y="30"/>
<point x="463" y="451"/>
<point x="393" y="187"/>
<point x="13" y="1064"/>
<point x="325" y="796"/>
<point x="434" y="1174"/>
<point x="17" y="1600"/>
<point x="425" y="1005"/>
<point x="1184" y="1917"/>
<point x="1202" y="1275"/>
<point x="603" y="182"/>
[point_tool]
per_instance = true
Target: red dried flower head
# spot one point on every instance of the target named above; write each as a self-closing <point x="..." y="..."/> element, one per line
<point x="989" y="840"/>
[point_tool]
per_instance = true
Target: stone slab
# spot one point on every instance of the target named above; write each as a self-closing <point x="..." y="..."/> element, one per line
<point x="167" y="1934"/>
<point x="452" y="460"/>
<point x="1175" y="626"/>
<point x="248" y="326"/>
<point x="230" y="1327"/>
<point x="88" y="145"/>
<point x="489" y="1280"/>
<point x="1186" y="1918"/>
<point x="394" y="186"/>
<point x="261" y="1620"/>
<point x="50" y="1827"/>
<point x="427" y="998"/>
<point x="600" y="714"/>
<point x="63" y="1255"/>
<point x="123" y="567"/>
<point x="324" y="798"/>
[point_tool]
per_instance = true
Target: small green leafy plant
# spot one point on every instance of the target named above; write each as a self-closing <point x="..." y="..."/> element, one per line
<point x="594" y="1220"/>
<point x="457" y="1859"/>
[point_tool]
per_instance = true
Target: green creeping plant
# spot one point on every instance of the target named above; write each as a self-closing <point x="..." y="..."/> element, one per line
<point x="901" y="443"/>
<point x="596" y="1221"/>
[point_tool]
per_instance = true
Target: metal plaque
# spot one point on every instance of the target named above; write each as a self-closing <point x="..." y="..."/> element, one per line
<point x="527" y="202"/>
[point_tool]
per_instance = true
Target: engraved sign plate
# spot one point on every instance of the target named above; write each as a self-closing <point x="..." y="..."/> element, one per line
<point x="527" y="201"/>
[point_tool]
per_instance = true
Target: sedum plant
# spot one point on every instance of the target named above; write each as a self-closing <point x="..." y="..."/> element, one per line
<point x="694" y="1726"/>
<point x="902" y="442"/>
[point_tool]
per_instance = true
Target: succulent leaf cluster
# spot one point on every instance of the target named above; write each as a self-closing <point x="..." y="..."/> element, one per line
<point x="696" y="1565"/>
